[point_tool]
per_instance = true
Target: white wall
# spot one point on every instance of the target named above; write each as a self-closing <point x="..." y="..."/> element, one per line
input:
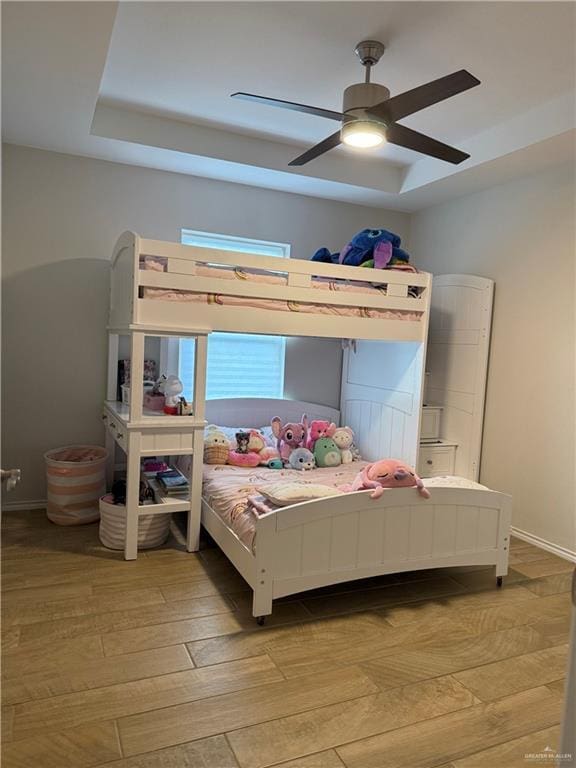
<point x="61" y="217"/>
<point x="522" y="236"/>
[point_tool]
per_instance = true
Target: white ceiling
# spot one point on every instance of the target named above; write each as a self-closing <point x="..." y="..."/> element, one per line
<point x="150" y="84"/>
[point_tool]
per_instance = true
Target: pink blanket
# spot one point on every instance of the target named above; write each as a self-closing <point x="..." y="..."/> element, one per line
<point x="322" y="284"/>
<point x="232" y="492"/>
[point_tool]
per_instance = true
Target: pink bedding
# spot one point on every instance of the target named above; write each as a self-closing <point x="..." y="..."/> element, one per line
<point x="321" y="284"/>
<point x="228" y="490"/>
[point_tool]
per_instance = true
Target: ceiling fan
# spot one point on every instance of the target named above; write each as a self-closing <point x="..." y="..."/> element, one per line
<point x="369" y="116"/>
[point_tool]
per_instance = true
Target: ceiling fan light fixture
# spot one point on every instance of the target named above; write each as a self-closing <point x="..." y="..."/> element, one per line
<point x="363" y="133"/>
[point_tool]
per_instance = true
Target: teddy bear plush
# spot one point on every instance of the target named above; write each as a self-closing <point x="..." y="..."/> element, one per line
<point x="344" y="438"/>
<point x="289" y="436"/>
<point x="327" y="453"/>
<point x="386" y="473"/>
<point x="318" y="429"/>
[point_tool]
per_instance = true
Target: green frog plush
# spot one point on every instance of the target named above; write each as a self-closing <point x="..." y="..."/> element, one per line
<point x="327" y="453"/>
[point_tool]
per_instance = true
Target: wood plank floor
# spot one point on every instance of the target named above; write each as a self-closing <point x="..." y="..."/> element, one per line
<point x="158" y="663"/>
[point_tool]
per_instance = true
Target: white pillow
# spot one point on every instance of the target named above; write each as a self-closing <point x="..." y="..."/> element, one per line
<point x="230" y="433"/>
<point x="268" y="435"/>
<point x="286" y="492"/>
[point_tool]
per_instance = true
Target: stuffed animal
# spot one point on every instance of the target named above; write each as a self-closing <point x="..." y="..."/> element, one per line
<point x="318" y="429"/>
<point x="268" y="455"/>
<point x="248" y="459"/>
<point x="172" y="387"/>
<point x="302" y="458"/>
<point x="184" y="408"/>
<point x="327" y="453"/>
<point x="366" y="245"/>
<point x="289" y="436"/>
<point x="387" y="473"/>
<point x="216" y="446"/>
<point x="242" y="440"/>
<point x="344" y="438"/>
<point x="256" y="441"/>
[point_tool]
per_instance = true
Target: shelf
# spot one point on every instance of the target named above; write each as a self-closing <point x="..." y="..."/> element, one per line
<point x="154" y="330"/>
<point x="164" y="504"/>
<point x="152" y="418"/>
<point x="435" y="443"/>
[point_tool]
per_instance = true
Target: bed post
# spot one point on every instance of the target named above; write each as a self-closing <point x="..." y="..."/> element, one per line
<point x="132" y="495"/>
<point x="111" y="390"/>
<point x="195" y="479"/>
<point x="504" y="523"/>
<point x="265" y="536"/>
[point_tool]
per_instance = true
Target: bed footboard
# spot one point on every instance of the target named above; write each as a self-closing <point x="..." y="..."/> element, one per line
<point x="352" y="537"/>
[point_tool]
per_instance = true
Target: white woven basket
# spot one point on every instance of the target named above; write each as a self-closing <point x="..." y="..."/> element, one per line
<point x="153" y="530"/>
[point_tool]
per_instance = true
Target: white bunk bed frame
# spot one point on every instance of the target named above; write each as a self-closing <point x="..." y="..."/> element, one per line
<point x="128" y="310"/>
<point x="309" y="545"/>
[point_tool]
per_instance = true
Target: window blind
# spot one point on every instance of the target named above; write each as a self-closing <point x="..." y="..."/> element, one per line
<point x="239" y="364"/>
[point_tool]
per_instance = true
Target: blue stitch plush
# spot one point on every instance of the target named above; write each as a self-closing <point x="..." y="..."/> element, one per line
<point x="364" y="246"/>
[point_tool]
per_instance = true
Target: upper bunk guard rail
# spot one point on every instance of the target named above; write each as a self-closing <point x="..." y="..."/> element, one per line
<point x="182" y="262"/>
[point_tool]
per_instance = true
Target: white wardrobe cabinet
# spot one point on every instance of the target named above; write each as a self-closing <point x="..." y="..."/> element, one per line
<point x="457" y="366"/>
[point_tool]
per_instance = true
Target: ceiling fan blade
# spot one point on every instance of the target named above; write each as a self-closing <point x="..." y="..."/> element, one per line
<point x="406" y="137"/>
<point x="424" y="96"/>
<point x="317" y="150"/>
<point x="318" y="111"/>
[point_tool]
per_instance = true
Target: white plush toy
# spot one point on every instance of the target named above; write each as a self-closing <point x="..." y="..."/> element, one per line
<point x="344" y="437"/>
<point x="216" y="446"/>
<point x="172" y="389"/>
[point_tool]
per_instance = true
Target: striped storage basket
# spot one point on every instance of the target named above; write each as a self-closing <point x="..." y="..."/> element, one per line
<point x="76" y="478"/>
<point x="153" y="530"/>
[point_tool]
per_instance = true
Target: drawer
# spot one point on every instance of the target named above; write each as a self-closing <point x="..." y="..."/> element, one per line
<point x="430" y="424"/>
<point x="167" y="442"/>
<point x="436" y="460"/>
<point x="116" y="428"/>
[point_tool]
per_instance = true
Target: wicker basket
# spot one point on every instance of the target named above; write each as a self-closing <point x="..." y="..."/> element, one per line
<point x="215" y="454"/>
<point x="153" y="530"/>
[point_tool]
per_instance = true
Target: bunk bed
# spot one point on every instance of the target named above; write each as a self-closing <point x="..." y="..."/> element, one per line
<point x="166" y="289"/>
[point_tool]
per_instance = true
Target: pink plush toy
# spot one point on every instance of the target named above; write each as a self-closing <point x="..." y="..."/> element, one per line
<point x="319" y="429"/>
<point x="268" y="454"/>
<point x="387" y="473"/>
<point x="238" y="459"/>
<point x="289" y="436"/>
<point x="257" y="444"/>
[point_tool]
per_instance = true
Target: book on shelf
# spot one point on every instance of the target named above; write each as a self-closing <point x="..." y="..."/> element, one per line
<point x="173" y="482"/>
<point x="180" y="493"/>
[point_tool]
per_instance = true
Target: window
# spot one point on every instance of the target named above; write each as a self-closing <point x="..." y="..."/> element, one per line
<point x="239" y="364"/>
<point x="242" y="244"/>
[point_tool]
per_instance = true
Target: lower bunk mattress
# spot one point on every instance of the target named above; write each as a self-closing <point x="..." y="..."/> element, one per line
<point x="232" y="492"/>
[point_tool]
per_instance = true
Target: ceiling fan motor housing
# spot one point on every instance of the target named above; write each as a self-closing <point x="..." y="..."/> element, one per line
<point x="361" y="96"/>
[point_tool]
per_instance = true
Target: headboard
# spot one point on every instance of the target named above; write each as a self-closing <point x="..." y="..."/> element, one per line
<point x="258" y="411"/>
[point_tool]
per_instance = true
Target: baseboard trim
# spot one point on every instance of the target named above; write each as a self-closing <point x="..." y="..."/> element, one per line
<point x="24" y="506"/>
<point x="555" y="549"/>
